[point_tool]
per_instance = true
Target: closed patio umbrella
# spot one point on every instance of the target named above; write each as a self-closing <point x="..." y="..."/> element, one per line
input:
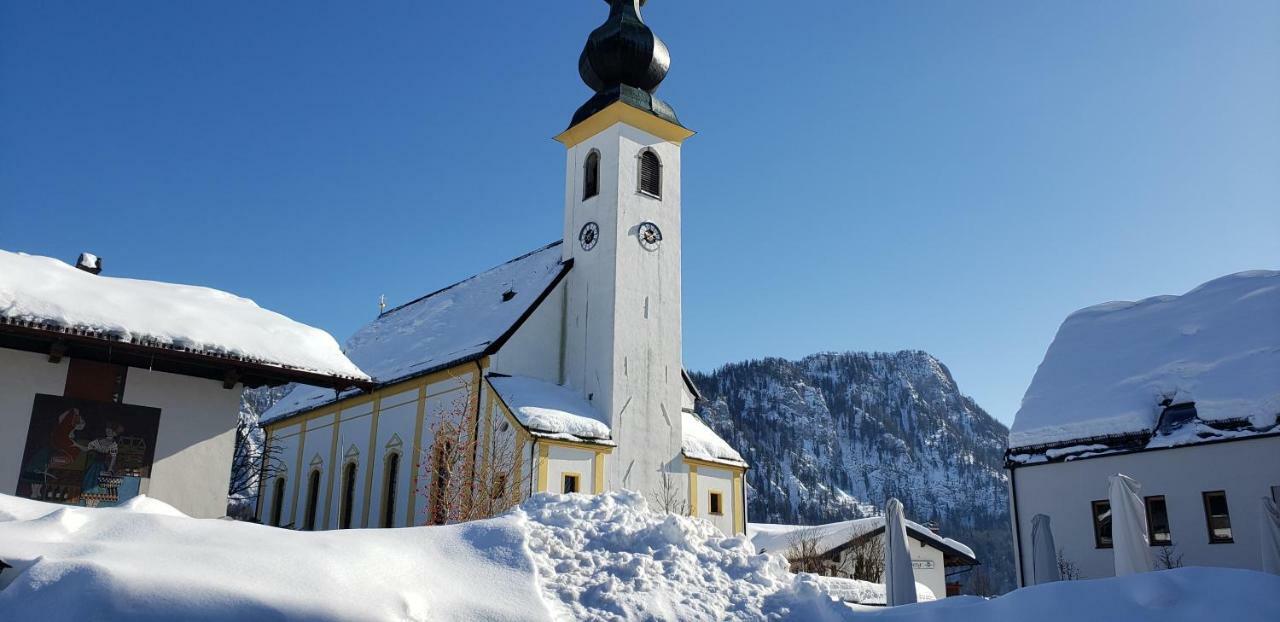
<point x="1270" y="536"/>
<point x="1128" y="527"/>
<point x="1044" y="554"/>
<point x="899" y="578"/>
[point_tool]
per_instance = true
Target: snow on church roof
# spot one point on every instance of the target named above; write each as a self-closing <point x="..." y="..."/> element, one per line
<point x="465" y="321"/>
<point x="45" y="294"/>
<point x="1112" y="365"/>
<point x="702" y="443"/>
<point x="550" y="409"/>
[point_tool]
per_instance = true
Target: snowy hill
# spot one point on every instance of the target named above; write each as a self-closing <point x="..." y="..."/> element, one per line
<point x="556" y="558"/>
<point x="832" y="436"/>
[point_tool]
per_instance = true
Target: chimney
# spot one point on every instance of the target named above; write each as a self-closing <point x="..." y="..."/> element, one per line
<point x="89" y="263"/>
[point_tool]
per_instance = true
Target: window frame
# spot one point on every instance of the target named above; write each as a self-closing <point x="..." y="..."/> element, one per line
<point x="1097" y="525"/>
<point x="390" y="481"/>
<point x="590" y="185"/>
<point x="1208" y="517"/>
<point x="715" y="498"/>
<point x="311" y="510"/>
<point x="277" y="501"/>
<point x="1151" y="529"/>
<point x="346" y="505"/>
<point x="640" y="160"/>
<point x="577" y="483"/>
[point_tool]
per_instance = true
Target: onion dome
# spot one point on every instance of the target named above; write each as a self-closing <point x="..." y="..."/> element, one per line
<point x="624" y="61"/>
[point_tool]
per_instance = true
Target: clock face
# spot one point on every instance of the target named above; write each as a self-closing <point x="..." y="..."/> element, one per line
<point x="650" y="235"/>
<point x="589" y="235"/>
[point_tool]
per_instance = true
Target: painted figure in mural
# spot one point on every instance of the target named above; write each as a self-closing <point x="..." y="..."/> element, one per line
<point x="101" y="462"/>
<point x="63" y="447"/>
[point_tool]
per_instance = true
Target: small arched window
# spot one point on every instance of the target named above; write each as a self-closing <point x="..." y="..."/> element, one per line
<point x="277" y="502"/>
<point x="313" y="501"/>
<point x="389" y="481"/>
<point x="650" y="173"/>
<point x="348" y="495"/>
<point x="591" y="175"/>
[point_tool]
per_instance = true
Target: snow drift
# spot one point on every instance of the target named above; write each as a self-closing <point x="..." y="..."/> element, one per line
<point x="570" y="557"/>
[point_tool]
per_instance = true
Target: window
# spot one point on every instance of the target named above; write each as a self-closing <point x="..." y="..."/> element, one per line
<point x="1102" y="524"/>
<point x="1218" y="517"/>
<point x="716" y="504"/>
<point x="1158" y="522"/>
<point x="313" y="500"/>
<point x="570" y="483"/>
<point x="441" y="495"/>
<point x="277" y="502"/>
<point x="348" y="495"/>
<point x="389" y="490"/>
<point x="650" y="173"/>
<point x="591" y="175"/>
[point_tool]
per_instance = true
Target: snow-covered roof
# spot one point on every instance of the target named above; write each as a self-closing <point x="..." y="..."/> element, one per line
<point x="465" y="321"/>
<point x="48" y="295"/>
<point x="550" y="410"/>
<point x="774" y="538"/>
<point x="702" y="443"/>
<point x="1112" y="366"/>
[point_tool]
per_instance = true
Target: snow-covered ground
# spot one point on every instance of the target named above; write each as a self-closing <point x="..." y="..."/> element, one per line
<point x="564" y="558"/>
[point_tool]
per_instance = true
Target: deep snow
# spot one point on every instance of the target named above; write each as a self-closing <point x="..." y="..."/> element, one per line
<point x="47" y="292"/>
<point x="551" y="409"/>
<point x="570" y="557"/>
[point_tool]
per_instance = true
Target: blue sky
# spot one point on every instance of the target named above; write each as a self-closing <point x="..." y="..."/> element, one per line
<point x="954" y="177"/>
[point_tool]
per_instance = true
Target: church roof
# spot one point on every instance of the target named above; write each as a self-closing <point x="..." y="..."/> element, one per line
<point x="464" y="322"/>
<point x="550" y="410"/>
<point x="702" y="443"/>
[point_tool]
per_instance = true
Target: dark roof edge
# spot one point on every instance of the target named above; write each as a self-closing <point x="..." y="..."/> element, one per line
<point x="693" y="388"/>
<point x="495" y="345"/>
<point x="913" y="532"/>
<point x="1010" y="465"/>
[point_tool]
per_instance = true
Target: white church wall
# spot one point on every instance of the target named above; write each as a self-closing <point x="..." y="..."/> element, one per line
<point x="563" y="461"/>
<point x="317" y="445"/>
<point x="535" y="349"/>
<point x="1245" y="469"/>
<point x="353" y="446"/>
<point x="712" y="480"/>
<point x="286" y="439"/>
<point x="22" y="376"/>
<point x="397" y="422"/>
<point x="195" y="442"/>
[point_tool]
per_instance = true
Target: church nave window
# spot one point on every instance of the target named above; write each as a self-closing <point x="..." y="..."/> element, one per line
<point x="570" y="483"/>
<point x="591" y="175"/>
<point x="715" y="504"/>
<point x="313" y="501"/>
<point x="348" y="495"/>
<point x="389" y="490"/>
<point x="277" y="502"/>
<point x="650" y="173"/>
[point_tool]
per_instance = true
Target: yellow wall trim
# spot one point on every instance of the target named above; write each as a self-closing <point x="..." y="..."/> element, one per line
<point x="597" y="466"/>
<point x="552" y="442"/>
<point x="715" y="465"/>
<point x="544" y="452"/>
<point x="739" y="504"/>
<point x="619" y="112"/>
<point x="693" y="489"/>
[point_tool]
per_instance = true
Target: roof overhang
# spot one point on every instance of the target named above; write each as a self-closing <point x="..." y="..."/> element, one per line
<point x="228" y="369"/>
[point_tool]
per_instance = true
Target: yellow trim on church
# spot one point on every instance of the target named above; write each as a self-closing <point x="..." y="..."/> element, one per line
<point x="619" y="112"/>
<point x="739" y="489"/>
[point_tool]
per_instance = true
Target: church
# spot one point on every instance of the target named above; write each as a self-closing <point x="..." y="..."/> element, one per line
<point x="559" y="371"/>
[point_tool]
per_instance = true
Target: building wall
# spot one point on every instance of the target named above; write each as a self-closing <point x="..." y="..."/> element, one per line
<point x="536" y="348"/>
<point x="1245" y="469"/>
<point x="927" y="564"/>
<point x="562" y="460"/>
<point x="22" y="376"/>
<point x="196" y="440"/>
<point x="704" y="480"/>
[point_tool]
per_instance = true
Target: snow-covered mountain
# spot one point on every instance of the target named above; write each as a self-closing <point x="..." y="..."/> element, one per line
<point x="833" y="436"/>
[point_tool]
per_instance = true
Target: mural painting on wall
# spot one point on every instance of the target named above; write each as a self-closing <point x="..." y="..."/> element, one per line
<point x="93" y="454"/>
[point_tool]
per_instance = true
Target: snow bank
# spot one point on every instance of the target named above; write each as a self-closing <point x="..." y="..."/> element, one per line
<point x="1110" y="366"/>
<point x="866" y="592"/>
<point x="549" y="408"/>
<point x="48" y="293"/>
<point x="776" y="538"/>
<point x="702" y="443"/>
<point x="449" y="326"/>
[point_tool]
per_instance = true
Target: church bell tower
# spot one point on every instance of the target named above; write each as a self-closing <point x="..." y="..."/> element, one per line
<point x="622" y="231"/>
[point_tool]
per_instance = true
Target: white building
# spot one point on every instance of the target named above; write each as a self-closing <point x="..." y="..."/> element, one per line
<point x="1181" y="393"/>
<point x="933" y="557"/>
<point x="111" y="388"/>
<point x="559" y="371"/>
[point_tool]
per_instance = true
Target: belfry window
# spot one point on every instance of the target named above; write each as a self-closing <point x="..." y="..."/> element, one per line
<point x="650" y="173"/>
<point x="591" y="175"/>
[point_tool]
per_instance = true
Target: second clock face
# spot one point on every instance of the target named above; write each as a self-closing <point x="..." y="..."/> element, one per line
<point x="589" y="235"/>
<point x="650" y="235"/>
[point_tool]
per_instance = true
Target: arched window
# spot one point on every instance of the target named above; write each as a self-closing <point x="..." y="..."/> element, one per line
<point x="277" y="502"/>
<point x="313" y="500"/>
<point x="650" y="173"/>
<point x="591" y="175"/>
<point x="389" y="481"/>
<point x="441" y="496"/>
<point x="348" y="495"/>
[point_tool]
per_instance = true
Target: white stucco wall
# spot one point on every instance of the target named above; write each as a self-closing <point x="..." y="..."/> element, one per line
<point x="535" y="349"/>
<point x="721" y="481"/>
<point x="562" y="460"/>
<point x="1245" y="469"/>
<point x="196" y="440"/>
<point x="22" y="376"/>
<point x="927" y="564"/>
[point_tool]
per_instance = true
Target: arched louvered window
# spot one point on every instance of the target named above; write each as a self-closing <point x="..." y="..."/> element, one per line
<point x="650" y="173"/>
<point x="313" y="501"/>
<point x="389" y="482"/>
<point x="277" y="502"/>
<point x="591" y="175"/>
<point x="348" y="495"/>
